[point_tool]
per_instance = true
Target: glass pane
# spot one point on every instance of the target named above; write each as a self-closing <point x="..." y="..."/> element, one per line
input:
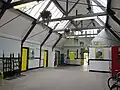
<point x="34" y="8"/>
<point x="96" y="9"/>
<point x="103" y="18"/>
<point x="103" y="2"/>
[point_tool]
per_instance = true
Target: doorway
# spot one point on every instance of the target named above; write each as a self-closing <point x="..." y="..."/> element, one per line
<point x="57" y="58"/>
<point x="45" y="62"/>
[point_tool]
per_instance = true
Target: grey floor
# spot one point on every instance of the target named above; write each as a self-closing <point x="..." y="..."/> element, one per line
<point x="62" y="78"/>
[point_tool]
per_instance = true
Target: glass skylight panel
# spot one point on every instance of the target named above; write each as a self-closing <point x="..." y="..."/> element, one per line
<point x="100" y="23"/>
<point x="62" y="24"/>
<point x="33" y="8"/>
<point x="103" y="18"/>
<point x="96" y="9"/>
<point x="103" y="2"/>
<point x="56" y="13"/>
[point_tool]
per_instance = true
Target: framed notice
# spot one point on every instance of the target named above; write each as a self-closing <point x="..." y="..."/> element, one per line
<point x="99" y="52"/>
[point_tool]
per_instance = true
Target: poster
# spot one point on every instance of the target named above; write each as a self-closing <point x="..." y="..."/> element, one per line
<point x="99" y="52"/>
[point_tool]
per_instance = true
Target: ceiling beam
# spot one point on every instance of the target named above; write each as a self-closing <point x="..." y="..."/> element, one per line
<point x="78" y="29"/>
<point x="75" y="17"/>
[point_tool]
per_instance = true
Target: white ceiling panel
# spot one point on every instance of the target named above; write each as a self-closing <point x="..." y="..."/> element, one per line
<point x="17" y="27"/>
<point x="52" y="39"/>
<point x="39" y="38"/>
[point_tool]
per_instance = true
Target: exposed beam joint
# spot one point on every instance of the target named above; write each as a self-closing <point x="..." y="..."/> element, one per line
<point x="84" y="28"/>
<point x="57" y="41"/>
<point x="75" y="17"/>
<point x="73" y="6"/>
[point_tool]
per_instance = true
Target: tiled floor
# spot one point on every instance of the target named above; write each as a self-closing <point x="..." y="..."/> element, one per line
<point x="62" y="78"/>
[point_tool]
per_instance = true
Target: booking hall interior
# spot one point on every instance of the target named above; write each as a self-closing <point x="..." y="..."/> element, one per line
<point x="59" y="44"/>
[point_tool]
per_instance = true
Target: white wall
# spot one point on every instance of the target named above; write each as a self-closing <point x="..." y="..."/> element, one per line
<point x="33" y="63"/>
<point x="50" y="55"/>
<point x="9" y="46"/>
<point x="98" y="65"/>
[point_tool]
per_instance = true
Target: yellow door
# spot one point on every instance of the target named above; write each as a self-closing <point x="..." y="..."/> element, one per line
<point x="45" y="58"/>
<point x="24" y="59"/>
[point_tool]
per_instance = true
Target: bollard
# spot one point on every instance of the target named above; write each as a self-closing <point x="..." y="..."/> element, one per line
<point x="1" y="78"/>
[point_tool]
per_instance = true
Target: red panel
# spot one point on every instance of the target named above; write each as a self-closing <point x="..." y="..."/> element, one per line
<point x="115" y="63"/>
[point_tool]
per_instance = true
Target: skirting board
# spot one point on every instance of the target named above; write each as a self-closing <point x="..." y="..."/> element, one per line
<point x="99" y="71"/>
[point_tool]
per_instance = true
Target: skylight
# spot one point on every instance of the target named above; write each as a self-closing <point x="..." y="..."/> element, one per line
<point x="56" y="13"/>
<point x="103" y="2"/>
<point x="97" y="9"/>
<point x="33" y="9"/>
